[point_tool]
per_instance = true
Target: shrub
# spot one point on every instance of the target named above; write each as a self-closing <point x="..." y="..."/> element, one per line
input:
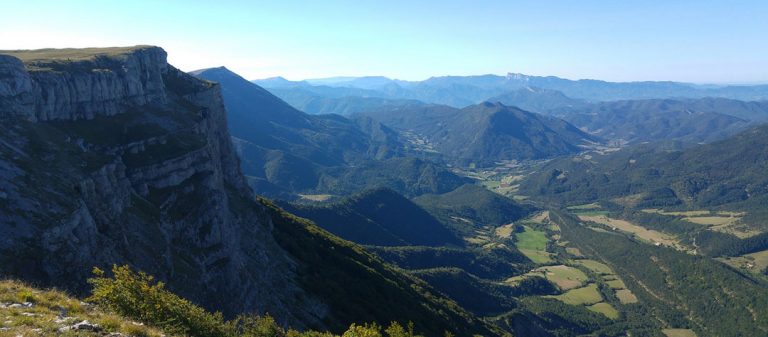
<point x="140" y="297"/>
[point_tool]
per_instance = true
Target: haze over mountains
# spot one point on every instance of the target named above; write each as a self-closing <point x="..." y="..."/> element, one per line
<point x="491" y="205"/>
<point x="624" y="112"/>
<point x="460" y="91"/>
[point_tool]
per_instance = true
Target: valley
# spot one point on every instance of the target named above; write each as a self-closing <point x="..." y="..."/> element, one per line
<point x="138" y="199"/>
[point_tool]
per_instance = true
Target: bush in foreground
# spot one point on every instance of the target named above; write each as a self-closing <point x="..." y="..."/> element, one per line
<point x="139" y="296"/>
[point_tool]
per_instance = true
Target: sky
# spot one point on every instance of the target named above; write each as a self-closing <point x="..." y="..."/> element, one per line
<point x="698" y="41"/>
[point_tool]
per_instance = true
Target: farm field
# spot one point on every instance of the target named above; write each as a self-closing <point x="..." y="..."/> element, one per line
<point x="610" y="278"/>
<point x="581" y="296"/>
<point x="533" y="244"/>
<point x="505" y="231"/>
<point x="720" y="221"/>
<point x="605" y="309"/>
<point x="754" y="262"/>
<point x="564" y="277"/>
<point x="596" y="267"/>
<point x="626" y="296"/>
<point x="678" y="333"/>
<point x="643" y="233"/>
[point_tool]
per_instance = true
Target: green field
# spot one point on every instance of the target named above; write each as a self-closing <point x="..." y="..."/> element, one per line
<point x="533" y="244"/>
<point x="537" y="256"/>
<point x="563" y="276"/>
<point x="581" y="296"/>
<point x="616" y="284"/>
<point x="605" y="309"/>
<point x="531" y="239"/>
<point x="596" y="267"/>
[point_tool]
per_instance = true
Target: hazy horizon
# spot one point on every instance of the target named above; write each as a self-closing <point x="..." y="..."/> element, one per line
<point x="504" y="74"/>
<point x="702" y="42"/>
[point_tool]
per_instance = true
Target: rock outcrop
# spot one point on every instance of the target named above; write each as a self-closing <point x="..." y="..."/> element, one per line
<point x="120" y="158"/>
<point x="60" y="88"/>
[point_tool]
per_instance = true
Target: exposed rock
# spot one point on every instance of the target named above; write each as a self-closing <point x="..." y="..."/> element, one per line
<point x="19" y="305"/>
<point x="100" y="85"/>
<point x="146" y="176"/>
<point x="82" y="326"/>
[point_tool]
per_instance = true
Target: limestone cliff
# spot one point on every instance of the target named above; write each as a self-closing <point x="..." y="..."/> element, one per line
<point x="114" y="156"/>
<point x="117" y="157"/>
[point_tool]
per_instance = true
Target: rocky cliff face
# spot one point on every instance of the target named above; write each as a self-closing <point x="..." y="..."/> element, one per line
<point x="60" y="88"/>
<point x="114" y="156"/>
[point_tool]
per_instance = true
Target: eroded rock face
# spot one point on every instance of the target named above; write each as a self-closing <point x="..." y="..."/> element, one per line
<point x="83" y="89"/>
<point x="124" y="159"/>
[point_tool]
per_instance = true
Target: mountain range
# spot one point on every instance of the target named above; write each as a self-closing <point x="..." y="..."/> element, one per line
<point x="486" y="133"/>
<point x="460" y="91"/>
<point x="477" y="205"/>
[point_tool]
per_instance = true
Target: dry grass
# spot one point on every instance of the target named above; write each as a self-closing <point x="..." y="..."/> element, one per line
<point x="315" y="197"/>
<point x="712" y="220"/>
<point x="505" y="232"/>
<point x="605" y="309"/>
<point x="574" y="251"/>
<point x="626" y="226"/>
<point x="564" y="277"/>
<point x="754" y="262"/>
<point x="581" y="296"/>
<point x="537" y="256"/>
<point x="678" y="333"/>
<point x="593" y="205"/>
<point x="73" y="54"/>
<point x="596" y="267"/>
<point x="684" y="213"/>
<point x="541" y="218"/>
<point x="626" y="296"/>
<point x="44" y="317"/>
<point x="720" y="221"/>
<point x="616" y="284"/>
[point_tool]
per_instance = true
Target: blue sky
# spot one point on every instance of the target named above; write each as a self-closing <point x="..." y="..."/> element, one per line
<point x="694" y="41"/>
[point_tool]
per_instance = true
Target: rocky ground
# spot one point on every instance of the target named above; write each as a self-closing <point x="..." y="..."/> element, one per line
<point x="26" y="311"/>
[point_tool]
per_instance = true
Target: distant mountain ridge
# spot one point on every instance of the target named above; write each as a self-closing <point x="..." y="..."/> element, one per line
<point x="284" y="148"/>
<point x="460" y="91"/>
<point x="487" y="132"/>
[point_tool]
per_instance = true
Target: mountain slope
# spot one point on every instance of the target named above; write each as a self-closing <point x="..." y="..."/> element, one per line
<point x="728" y="173"/>
<point x="487" y="132"/>
<point x="379" y="217"/>
<point x="113" y="156"/>
<point x="474" y="204"/>
<point x="537" y="100"/>
<point x="408" y="176"/>
<point x="277" y="142"/>
<point x="694" y="121"/>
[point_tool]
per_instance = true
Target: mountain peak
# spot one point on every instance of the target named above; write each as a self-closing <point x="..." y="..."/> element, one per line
<point x="518" y="77"/>
<point x="213" y="70"/>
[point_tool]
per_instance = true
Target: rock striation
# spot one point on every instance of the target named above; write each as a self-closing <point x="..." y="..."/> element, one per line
<point x="118" y="157"/>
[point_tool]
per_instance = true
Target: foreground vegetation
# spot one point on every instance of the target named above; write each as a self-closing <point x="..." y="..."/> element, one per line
<point x="135" y="304"/>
